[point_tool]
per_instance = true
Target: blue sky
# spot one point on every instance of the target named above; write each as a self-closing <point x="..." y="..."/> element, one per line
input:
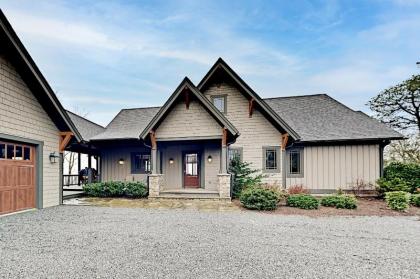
<point x="101" y="56"/>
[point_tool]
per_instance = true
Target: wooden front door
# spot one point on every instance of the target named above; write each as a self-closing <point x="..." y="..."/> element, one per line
<point x="17" y="177"/>
<point x="191" y="170"/>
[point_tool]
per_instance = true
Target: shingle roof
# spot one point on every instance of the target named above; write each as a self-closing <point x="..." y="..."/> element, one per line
<point x="322" y="118"/>
<point x="128" y="124"/>
<point x="86" y="128"/>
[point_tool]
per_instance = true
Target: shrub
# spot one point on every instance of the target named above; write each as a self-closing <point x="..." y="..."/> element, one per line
<point x="415" y="200"/>
<point x="259" y="198"/>
<point x="391" y="185"/>
<point x="243" y="176"/>
<point x="297" y="189"/>
<point x="397" y="200"/>
<point x="407" y="172"/>
<point x="303" y="201"/>
<point x="116" y="189"/>
<point x="340" y="201"/>
<point x="360" y="186"/>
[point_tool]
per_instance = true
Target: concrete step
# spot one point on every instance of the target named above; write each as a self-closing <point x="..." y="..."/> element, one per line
<point x="189" y="194"/>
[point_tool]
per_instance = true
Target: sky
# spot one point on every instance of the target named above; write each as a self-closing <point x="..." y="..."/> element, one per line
<point x="102" y="56"/>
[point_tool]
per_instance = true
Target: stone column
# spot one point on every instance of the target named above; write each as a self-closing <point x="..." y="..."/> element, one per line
<point x="155" y="181"/>
<point x="224" y="185"/>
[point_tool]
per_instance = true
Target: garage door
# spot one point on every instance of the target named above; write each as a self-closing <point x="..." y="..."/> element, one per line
<point x="17" y="177"/>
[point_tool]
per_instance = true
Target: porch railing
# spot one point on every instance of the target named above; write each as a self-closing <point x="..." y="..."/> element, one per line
<point x="70" y="180"/>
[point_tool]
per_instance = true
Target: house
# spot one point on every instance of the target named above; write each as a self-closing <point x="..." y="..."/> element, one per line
<point x="34" y="130"/>
<point x="183" y="148"/>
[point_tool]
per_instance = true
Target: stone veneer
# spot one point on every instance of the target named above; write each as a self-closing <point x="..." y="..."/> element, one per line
<point x="155" y="181"/>
<point x="224" y="185"/>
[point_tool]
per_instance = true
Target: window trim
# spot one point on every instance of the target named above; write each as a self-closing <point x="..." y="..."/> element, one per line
<point x="140" y="171"/>
<point x="278" y="154"/>
<point x="239" y="149"/>
<point x="224" y="96"/>
<point x="301" y="173"/>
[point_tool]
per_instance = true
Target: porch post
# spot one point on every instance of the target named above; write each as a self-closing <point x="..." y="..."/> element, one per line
<point x="89" y="168"/>
<point x="223" y="165"/>
<point x="154" y="152"/>
<point x="284" y="139"/>
<point x="79" y="166"/>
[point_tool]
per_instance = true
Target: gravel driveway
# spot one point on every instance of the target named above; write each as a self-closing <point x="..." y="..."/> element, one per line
<point x="96" y="242"/>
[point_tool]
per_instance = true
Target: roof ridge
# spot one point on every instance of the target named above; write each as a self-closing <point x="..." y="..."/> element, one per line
<point x="84" y="118"/>
<point x="141" y="108"/>
<point x="297" y="96"/>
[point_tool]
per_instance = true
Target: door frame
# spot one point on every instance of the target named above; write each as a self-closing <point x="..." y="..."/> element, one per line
<point x="200" y="167"/>
<point x="39" y="146"/>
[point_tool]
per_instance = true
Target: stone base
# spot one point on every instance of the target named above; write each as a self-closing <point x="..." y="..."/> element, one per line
<point x="224" y="185"/>
<point x="155" y="183"/>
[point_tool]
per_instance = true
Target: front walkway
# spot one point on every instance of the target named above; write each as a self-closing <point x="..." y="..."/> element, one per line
<point x="103" y="242"/>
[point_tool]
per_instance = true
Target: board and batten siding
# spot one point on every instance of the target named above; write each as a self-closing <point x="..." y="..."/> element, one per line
<point x="192" y="122"/>
<point x="333" y="167"/>
<point x="256" y="132"/>
<point x="111" y="170"/>
<point x="23" y="116"/>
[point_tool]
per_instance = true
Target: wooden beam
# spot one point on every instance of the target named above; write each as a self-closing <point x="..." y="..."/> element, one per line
<point x="224" y="137"/>
<point x="251" y="107"/>
<point x="153" y="139"/>
<point x="65" y="138"/>
<point x="187" y="98"/>
<point x="284" y="140"/>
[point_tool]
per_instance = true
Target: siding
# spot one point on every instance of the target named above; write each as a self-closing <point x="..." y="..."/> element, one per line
<point x="333" y="167"/>
<point x="192" y="122"/>
<point x="256" y="131"/>
<point x="22" y="115"/>
<point x="112" y="171"/>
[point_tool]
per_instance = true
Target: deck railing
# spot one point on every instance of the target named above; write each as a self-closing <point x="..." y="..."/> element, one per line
<point x="70" y="180"/>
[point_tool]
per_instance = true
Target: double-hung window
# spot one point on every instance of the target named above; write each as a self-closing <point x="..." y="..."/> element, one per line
<point x="235" y="153"/>
<point x="140" y="162"/>
<point x="295" y="162"/>
<point x="271" y="159"/>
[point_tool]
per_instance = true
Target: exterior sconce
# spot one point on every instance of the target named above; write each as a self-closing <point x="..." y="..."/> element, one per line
<point x="209" y="159"/>
<point x="53" y="158"/>
<point x="121" y="161"/>
<point x="171" y="161"/>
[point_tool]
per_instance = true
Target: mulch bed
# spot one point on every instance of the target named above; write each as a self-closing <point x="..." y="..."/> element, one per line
<point x="365" y="207"/>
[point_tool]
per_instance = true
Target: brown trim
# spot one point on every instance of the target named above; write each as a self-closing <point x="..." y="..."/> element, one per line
<point x="153" y="139"/>
<point x="251" y="107"/>
<point x="65" y="138"/>
<point x="284" y="140"/>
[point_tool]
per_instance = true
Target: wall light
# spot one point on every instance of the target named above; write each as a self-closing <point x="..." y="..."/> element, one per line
<point x="53" y="158"/>
<point x="121" y="161"/>
<point x="171" y="161"/>
<point x="209" y="159"/>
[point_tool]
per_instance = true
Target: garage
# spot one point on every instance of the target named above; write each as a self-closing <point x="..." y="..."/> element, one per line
<point x="17" y="177"/>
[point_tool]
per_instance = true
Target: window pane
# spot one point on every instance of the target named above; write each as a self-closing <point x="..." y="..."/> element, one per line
<point x="137" y="162"/>
<point x="19" y="152"/>
<point x="10" y="151"/>
<point x="191" y="164"/>
<point x="146" y="163"/>
<point x="2" y="151"/>
<point x="295" y="162"/>
<point x="219" y="103"/>
<point x="271" y="159"/>
<point x="27" y="153"/>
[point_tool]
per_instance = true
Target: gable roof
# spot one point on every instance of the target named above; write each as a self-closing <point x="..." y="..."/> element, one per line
<point x="127" y="124"/>
<point x="86" y="128"/>
<point x="187" y="84"/>
<point x="23" y="62"/>
<point x="322" y="118"/>
<point x="221" y="64"/>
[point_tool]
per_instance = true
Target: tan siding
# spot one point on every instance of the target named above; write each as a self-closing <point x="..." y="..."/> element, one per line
<point x="193" y="122"/>
<point x="256" y="131"/>
<point x="22" y="115"/>
<point x="333" y="167"/>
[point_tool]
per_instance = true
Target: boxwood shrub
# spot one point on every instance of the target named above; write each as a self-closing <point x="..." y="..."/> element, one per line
<point x="400" y="176"/>
<point x="340" y="201"/>
<point x="259" y="198"/>
<point x="415" y="200"/>
<point x="397" y="200"/>
<point x="116" y="189"/>
<point x="303" y="201"/>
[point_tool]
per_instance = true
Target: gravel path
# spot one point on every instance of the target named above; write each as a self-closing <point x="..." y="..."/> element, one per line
<point x="98" y="242"/>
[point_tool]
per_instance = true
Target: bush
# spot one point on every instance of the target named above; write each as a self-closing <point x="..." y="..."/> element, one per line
<point x="391" y="185"/>
<point x="407" y="172"/>
<point x="340" y="201"/>
<point x="415" y="200"/>
<point x="303" y="201"/>
<point x="116" y="189"/>
<point x="243" y="176"/>
<point x="297" y="189"/>
<point x="397" y="200"/>
<point x="259" y="198"/>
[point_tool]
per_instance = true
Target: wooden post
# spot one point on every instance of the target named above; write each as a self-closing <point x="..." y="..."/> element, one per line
<point x="284" y="139"/>
<point x="89" y="168"/>
<point x="223" y="163"/>
<point x="154" y="151"/>
<point x="251" y="107"/>
<point x="65" y="138"/>
<point x="79" y="166"/>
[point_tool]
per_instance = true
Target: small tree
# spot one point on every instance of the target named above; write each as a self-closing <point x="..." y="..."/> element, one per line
<point x="243" y="176"/>
<point x="407" y="151"/>
<point x="399" y="105"/>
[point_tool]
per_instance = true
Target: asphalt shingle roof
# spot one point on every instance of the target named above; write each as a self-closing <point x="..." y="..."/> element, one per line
<point x="128" y="124"/>
<point x="322" y="118"/>
<point x="86" y="128"/>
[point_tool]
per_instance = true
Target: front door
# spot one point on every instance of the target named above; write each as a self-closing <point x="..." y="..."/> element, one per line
<point x="191" y="170"/>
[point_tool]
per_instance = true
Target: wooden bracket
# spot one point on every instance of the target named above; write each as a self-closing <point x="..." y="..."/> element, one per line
<point x="251" y="107"/>
<point x="153" y="139"/>
<point x="224" y="137"/>
<point x="65" y="138"/>
<point x="284" y="139"/>
<point x="187" y="98"/>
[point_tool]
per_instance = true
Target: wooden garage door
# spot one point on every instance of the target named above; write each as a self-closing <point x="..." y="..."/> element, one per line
<point x="17" y="177"/>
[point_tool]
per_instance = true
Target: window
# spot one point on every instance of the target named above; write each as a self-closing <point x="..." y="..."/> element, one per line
<point x="295" y="162"/>
<point x="191" y="164"/>
<point x="140" y="162"/>
<point x="27" y="153"/>
<point x="10" y="151"/>
<point x="2" y="151"/>
<point x="18" y="152"/>
<point x="271" y="159"/>
<point x="235" y="152"/>
<point x="220" y="103"/>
